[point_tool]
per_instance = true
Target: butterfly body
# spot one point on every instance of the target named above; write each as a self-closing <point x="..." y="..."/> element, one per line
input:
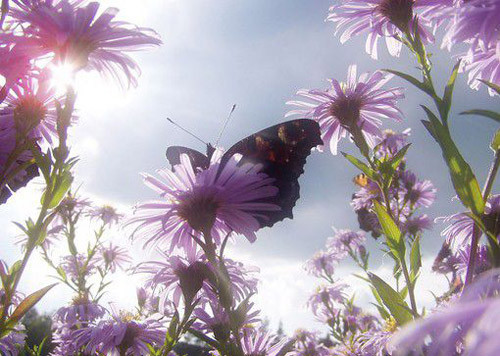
<point x="281" y="150"/>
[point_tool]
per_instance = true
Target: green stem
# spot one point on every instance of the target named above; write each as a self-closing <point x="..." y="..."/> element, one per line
<point x="476" y="232"/>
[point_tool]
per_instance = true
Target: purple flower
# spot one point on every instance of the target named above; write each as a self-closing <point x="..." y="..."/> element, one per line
<point x="81" y="311"/>
<point x="208" y="201"/>
<point x="476" y="21"/>
<point x="76" y="266"/>
<point x="418" y="193"/>
<point x="388" y="19"/>
<point x="34" y="111"/>
<point x="113" y="257"/>
<point x="459" y="231"/>
<point x="14" y="64"/>
<point x="259" y="342"/>
<point x="374" y="343"/>
<point x="324" y="299"/>
<point x="391" y="142"/>
<point x="483" y="65"/>
<point x="345" y="241"/>
<point x="106" y="213"/>
<point x="307" y="344"/>
<point x="81" y="38"/>
<point x="482" y="264"/>
<point x="360" y="104"/>
<point x="176" y="276"/>
<point x="13" y="342"/>
<point x="415" y="224"/>
<point x="321" y="264"/>
<point x="120" y="336"/>
<point x="469" y="326"/>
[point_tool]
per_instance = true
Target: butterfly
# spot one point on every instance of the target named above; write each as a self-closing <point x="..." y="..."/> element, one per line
<point x="282" y="151"/>
<point x="361" y="180"/>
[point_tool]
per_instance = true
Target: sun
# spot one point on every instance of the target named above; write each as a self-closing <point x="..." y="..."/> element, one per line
<point x="62" y="77"/>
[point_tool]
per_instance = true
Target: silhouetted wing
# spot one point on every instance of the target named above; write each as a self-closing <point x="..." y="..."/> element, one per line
<point x="198" y="159"/>
<point x="282" y="150"/>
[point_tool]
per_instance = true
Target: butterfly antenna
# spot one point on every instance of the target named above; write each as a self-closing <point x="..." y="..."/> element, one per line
<point x="186" y="131"/>
<point x="226" y="122"/>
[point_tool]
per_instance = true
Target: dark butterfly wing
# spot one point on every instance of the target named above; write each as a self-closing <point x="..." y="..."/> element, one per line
<point x="198" y="159"/>
<point x="282" y="150"/>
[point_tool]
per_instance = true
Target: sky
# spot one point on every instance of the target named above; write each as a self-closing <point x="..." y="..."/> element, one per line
<point x="255" y="54"/>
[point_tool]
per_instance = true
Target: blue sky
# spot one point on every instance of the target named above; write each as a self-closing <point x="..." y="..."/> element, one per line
<point x="254" y="54"/>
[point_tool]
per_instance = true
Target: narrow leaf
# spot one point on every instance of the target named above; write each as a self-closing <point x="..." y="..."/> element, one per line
<point x="412" y="80"/>
<point x="360" y="165"/>
<point x="463" y="179"/>
<point x="392" y="300"/>
<point x="391" y="231"/>
<point x="415" y="257"/>
<point x="448" y="91"/>
<point x="485" y="113"/>
<point x="398" y="157"/>
<point x="491" y="85"/>
<point x="28" y="303"/>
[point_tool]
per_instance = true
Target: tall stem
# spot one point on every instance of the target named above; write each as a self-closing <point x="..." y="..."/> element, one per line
<point x="476" y="232"/>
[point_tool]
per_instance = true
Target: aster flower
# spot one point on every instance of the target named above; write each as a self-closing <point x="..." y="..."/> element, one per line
<point x="12" y="343"/>
<point x="416" y="224"/>
<point x="321" y="264"/>
<point x="483" y="65"/>
<point x="345" y="241"/>
<point x="79" y="37"/>
<point x="307" y="344"/>
<point x="260" y="342"/>
<point x="34" y="110"/>
<point x="374" y="343"/>
<point x="325" y="297"/>
<point x="176" y="276"/>
<point x="482" y="264"/>
<point x="476" y="21"/>
<point x="470" y="325"/>
<point x="80" y="311"/>
<point x="391" y="142"/>
<point x="78" y="265"/>
<point x="106" y="213"/>
<point x="215" y="203"/>
<point x="418" y="193"/>
<point x="459" y="231"/>
<point x="360" y="104"/>
<point x="113" y="257"/>
<point x="388" y="19"/>
<point x="120" y="336"/>
<point x="14" y="64"/>
<point x="70" y="206"/>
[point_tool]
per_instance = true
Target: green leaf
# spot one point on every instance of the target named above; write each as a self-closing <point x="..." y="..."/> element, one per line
<point x="392" y="300"/>
<point x="415" y="257"/>
<point x="394" y="239"/>
<point x="485" y="113"/>
<point x="412" y="80"/>
<point x="491" y="85"/>
<point x="398" y="157"/>
<point x="61" y="190"/>
<point x="28" y="303"/>
<point x="383" y="313"/>
<point x="360" y="165"/>
<point x="448" y="91"/>
<point x="464" y="180"/>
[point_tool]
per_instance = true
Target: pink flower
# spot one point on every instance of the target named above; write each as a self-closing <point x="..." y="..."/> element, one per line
<point x="83" y="39"/>
<point x="359" y="104"/>
<point x="217" y="201"/>
<point x="387" y="19"/>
